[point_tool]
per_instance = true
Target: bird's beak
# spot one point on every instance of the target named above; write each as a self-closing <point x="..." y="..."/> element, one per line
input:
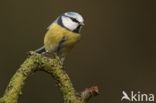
<point x="82" y="24"/>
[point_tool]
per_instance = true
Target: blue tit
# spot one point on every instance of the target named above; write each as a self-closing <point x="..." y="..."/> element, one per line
<point x="62" y="34"/>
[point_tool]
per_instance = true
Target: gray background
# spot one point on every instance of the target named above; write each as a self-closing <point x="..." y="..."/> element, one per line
<point x="116" y="52"/>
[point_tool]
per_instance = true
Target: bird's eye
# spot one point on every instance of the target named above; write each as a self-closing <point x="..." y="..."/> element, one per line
<point x="73" y="19"/>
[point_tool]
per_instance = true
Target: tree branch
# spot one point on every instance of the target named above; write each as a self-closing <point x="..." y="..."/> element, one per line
<point x="36" y="62"/>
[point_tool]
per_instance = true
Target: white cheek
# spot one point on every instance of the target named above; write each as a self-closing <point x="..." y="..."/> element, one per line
<point x="68" y="23"/>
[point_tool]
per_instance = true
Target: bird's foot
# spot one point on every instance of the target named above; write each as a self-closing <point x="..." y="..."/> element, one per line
<point x="61" y="61"/>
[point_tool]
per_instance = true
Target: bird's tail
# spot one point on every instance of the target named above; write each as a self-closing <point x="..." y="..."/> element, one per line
<point x="40" y="50"/>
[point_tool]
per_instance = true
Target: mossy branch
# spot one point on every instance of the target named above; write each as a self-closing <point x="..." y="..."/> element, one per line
<point x="36" y="62"/>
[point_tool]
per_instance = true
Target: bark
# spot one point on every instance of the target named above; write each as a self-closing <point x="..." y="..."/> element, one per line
<point x="37" y="62"/>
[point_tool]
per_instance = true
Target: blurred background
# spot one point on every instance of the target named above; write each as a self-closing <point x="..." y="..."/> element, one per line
<point x="117" y="51"/>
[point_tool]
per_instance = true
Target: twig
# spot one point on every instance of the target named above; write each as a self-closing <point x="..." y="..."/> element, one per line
<point x="36" y="62"/>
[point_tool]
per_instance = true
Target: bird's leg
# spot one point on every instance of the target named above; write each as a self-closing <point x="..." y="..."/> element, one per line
<point x="59" y="58"/>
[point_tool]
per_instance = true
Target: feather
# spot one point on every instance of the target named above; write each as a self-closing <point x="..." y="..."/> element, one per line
<point x="40" y="50"/>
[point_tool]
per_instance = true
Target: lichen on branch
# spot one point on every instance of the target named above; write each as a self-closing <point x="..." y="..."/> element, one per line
<point x="37" y="62"/>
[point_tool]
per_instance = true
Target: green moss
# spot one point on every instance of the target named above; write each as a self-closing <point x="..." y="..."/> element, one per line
<point x="37" y="62"/>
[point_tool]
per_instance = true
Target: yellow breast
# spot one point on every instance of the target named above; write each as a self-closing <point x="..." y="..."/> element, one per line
<point x="55" y="34"/>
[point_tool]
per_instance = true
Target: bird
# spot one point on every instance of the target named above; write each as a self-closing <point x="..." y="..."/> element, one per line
<point x="125" y="96"/>
<point x="62" y="35"/>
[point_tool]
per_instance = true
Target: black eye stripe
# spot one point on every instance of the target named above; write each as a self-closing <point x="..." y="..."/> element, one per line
<point x="73" y="19"/>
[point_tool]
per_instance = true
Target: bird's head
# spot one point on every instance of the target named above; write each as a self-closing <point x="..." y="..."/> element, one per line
<point x="72" y="21"/>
